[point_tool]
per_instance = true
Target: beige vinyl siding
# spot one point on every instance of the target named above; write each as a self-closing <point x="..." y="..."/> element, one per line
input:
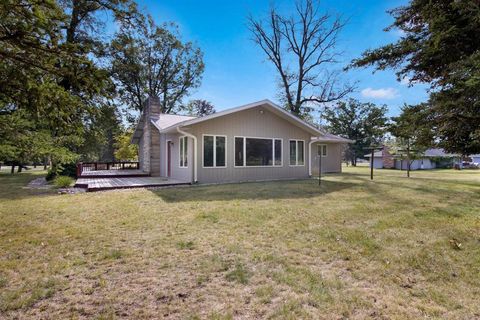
<point x="258" y="123"/>
<point x="332" y="162"/>
<point x="184" y="174"/>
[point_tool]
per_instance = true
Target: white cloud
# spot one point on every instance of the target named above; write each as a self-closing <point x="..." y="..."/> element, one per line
<point x="382" y="93"/>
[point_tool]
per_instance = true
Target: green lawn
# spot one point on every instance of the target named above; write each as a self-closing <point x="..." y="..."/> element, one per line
<point x="394" y="248"/>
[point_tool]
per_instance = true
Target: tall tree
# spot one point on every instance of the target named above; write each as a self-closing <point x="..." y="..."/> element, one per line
<point x="151" y="60"/>
<point x="414" y="126"/>
<point x="51" y="85"/>
<point x="440" y="47"/>
<point x="101" y="133"/>
<point x="199" y="108"/>
<point x="365" y="123"/>
<point x="302" y="47"/>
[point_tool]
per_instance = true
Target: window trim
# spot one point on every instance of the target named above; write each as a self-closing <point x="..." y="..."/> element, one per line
<point x="245" y="151"/>
<point x="321" y="152"/>
<point x="185" y="143"/>
<point x="214" y="150"/>
<point x="296" y="153"/>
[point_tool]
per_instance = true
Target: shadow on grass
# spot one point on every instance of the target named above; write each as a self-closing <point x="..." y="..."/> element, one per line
<point x="292" y="189"/>
<point x="14" y="186"/>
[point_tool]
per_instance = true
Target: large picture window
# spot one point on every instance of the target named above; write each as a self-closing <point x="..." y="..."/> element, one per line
<point x="214" y="151"/>
<point x="183" y="148"/>
<point x="297" y="152"/>
<point x="258" y="152"/>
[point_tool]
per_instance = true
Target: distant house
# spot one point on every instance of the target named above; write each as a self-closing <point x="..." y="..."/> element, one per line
<point x="475" y="158"/>
<point x="430" y="159"/>
<point x="257" y="141"/>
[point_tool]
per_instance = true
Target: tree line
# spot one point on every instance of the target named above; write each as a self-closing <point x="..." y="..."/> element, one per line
<point x="439" y="47"/>
<point x="71" y="90"/>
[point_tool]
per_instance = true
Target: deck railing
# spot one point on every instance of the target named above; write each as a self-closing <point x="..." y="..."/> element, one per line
<point x="95" y="166"/>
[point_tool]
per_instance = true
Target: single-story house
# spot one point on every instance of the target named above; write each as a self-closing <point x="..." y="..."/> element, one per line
<point x="475" y="158"/>
<point x="382" y="159"/>
<point x="253" y="142"/>
<point x="430" y="159"/>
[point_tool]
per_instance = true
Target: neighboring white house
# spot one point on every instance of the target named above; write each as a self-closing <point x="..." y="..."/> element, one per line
<point x="431" y="159"/>
<point x="475" y="158"/>
<point x="257" y="141"/>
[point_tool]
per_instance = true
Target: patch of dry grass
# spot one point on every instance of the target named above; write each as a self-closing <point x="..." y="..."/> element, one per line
<point x="393" y="248"/>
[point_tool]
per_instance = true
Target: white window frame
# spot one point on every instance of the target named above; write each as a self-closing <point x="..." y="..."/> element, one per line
<point x="214" y="150"/>
<point x="321" y="150"/>
<point x="245" y="152"/>
<point x="296" y="153"/>
<point x="180" y="151"/>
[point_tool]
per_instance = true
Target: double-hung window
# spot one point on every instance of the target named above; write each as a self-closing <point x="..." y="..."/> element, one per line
<point x="183" y="152"/>
<point x="258" y="152"/>
<point x="322" y="150"/>
<point x="297" y="152"/>
<point x="214" y="151"/>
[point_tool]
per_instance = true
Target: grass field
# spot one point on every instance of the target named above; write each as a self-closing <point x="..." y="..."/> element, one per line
<point x="394" y="248"/>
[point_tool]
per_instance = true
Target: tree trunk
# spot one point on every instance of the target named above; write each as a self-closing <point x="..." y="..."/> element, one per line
<point x="13" y="169"/>
<point x="19" y="168"/>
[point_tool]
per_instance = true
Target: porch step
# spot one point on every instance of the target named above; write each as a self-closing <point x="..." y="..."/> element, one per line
<point x="114" y="174"/>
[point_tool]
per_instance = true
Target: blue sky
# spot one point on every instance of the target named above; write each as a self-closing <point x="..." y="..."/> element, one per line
<point x="236" y="72"/>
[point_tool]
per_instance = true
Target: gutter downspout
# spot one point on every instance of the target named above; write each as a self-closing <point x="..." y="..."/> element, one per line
<point x="194" y="152"/>
<point x="310" y="156"/>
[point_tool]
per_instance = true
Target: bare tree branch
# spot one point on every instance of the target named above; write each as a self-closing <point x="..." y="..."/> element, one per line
<point x="303" y="49"/>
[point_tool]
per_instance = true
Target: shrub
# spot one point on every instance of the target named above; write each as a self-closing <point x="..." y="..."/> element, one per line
<point x="68" y="169"/>
<point x="64" y="169"/>
<point x="63" y="182"/>
<point x="51" y="174"/>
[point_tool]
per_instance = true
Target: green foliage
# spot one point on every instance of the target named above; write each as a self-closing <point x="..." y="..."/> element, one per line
<point x="53" y="87"/>
<point x="365" y="123"/>
<point x="68" y="169"/>
<point x="413" y="129"/>
<point x="101" y="134"/>
<point x="124" y="149"/>
<point x="199" y="108"/>
<point x="151" y="60"/>
<point x="440" y="47"/>
<point x="51" y="174"/>
<point x="63" y="182"/>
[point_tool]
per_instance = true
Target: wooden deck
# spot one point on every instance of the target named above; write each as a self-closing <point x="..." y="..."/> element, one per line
<point x="113" y="173"/>
<point x="100" y="184"/>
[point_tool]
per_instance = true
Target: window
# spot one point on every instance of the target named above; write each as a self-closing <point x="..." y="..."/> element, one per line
<point x="214" y="151"/>
<point x="297" y="152"/>
<point x="258" y="152"/>
<point x="322" y="150"/>
<point x="183" y="147"/>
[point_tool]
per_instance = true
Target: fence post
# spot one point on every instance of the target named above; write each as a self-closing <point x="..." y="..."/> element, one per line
<point x="79" y="169"/>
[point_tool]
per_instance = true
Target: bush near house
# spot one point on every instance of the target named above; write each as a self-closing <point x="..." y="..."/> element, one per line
<point x="63" y="182"/>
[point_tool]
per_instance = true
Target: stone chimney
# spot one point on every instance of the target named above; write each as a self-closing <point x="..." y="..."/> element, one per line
<point x="152" y="106"/>
<point x="150" y="147"/>
<point x="387" y="158"/>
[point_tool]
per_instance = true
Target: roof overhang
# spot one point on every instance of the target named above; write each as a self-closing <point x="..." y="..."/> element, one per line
<point x="335" y="139"/>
